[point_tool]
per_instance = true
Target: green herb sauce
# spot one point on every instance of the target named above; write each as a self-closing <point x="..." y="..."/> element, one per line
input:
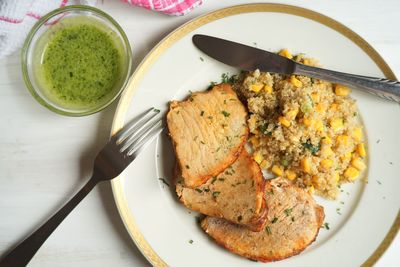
<point x="81" y="65"/>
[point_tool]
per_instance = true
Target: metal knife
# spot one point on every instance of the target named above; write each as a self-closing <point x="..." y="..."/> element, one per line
<point x="250" y="58"/>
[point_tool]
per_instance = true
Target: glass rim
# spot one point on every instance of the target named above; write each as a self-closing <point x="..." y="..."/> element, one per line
<point x="28" y="42"/>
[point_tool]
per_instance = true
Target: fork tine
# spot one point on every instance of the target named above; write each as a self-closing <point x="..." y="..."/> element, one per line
<point x="133" y="126"/>
<point x="142" y="136"/>
<point x="145" y="139"/>
<point x="138" y="133"/>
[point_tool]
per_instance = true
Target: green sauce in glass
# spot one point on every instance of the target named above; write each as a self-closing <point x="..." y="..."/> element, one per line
<point x="80" y="65"/>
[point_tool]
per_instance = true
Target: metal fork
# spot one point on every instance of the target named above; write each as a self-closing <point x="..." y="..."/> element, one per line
<point x="117" y="154"/>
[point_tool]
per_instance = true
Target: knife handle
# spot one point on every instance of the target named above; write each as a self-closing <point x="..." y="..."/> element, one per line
<point x="384" y="88"/>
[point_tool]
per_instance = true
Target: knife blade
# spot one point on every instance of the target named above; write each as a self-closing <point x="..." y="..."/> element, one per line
<point x="242" y="56"/>
<point x="249" y="58"/>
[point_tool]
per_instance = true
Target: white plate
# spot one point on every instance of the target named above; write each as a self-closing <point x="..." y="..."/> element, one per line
<point x="162" y="228"/>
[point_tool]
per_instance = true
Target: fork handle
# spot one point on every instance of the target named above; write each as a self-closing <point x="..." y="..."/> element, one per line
<point x="23" y="253"/>
<point x="384" y="88"/>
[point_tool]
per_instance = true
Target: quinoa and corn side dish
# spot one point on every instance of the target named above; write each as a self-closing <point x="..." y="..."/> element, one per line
<point x="303" y="129"/>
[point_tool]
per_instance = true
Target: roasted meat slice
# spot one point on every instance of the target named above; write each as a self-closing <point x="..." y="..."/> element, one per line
<point x="293" y="222"/>
<point x="208" y="131"/>
<point x="235" y="194"/>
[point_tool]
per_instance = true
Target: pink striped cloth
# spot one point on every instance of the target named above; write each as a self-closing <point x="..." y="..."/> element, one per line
<point x="170" y="7"/>
<point x="17" y="17"/>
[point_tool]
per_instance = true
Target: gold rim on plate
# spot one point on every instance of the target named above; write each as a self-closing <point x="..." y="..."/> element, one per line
<point x="182" y="31"/>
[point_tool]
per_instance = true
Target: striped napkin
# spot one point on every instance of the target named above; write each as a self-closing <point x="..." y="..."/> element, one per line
<point x="170" y="7"/>
<point x="17" y="17"/>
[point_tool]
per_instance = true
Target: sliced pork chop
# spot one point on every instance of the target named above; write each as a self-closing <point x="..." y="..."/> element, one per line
<point x="293" y="222"/>
<point x="235" y="194"/>
<point x="208" y="132"/>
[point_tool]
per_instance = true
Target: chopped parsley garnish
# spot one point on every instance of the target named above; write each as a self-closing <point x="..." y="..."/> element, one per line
<point x="270" y="192"/>
<point x="225" y="78"/>
<point x="288" y="211"/>
<point x="326" y="226"/>
<point x="187" y="167"/>
<point x="198" y="190"/>
<point x="264" y="129"/>
<point x="156" y="110"/>
<point x="202" y="59"/>
<point x="379" y="182"/>
<point x="268" y="230"/>
<point x="212" y="84"/>
<point x="213" y="180"/>
<point x="190" y="241"/>
<point x="221" y="179"/>
<point x="226" y="114"/>
<point x="215" y="194"/>
<point x="274" y="220"/>
<point x="202" y="142"/>
<point x="202" y="113"/>
<point x="164" y="181"/>
<point x="285" y="161"/>
<point x="206" y="190"/>
<point x="312" y="148"/>
<point x="338" y="211"/>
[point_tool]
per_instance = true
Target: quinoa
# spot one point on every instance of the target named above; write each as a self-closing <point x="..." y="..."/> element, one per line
<point x="304" y="129"/>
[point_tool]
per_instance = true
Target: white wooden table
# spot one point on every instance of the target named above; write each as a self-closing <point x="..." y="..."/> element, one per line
<point x="44" y="157"/>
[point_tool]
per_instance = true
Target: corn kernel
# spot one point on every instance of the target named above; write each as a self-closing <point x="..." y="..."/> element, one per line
<point x="336" y="176"/>
<point x="285" y="122"/>
<point x="320" y="108"/>
<point x="336" y="124"/>
<point x="277" y="170"/>
<point x="315" y="179"/>
<point x="253" y="124"/>
<point x="268" y="89"/>
<point x="342" y="140"/>
<point x="291" y="175"/>
<point x="256" y="87"/>
<point x="346" y="156"/>
<point x="358" y="163"/>
<point x="319" y="126"/>
<point x="315" y="97"/>
<point x="326" y="163"/>
<point x="361" y="150"/>
<point x="357" y="134"/>
<point x="308" y="62"/>
<point x="326" y="140"/>
<point x="258" y="157"/>
<point x="334" y="106"/>
<point x="264" y="164"/>
<point x="341" y="90"/>
<point x="296" y="82"/>
<point x="254" y="141"/>
<point x="351" y="173"/>
<point x="311" y="190"/>
<point x="285" y="53"/>
<point x="291" y="115"/>
<point x="308" y="122"/>
<point x="306" y="165"/>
